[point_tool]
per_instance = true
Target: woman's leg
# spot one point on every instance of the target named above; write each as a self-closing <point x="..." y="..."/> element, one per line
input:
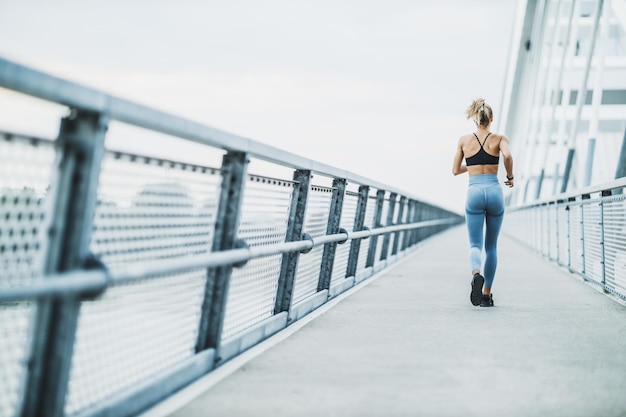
<point x="475" y="220"/>
<point x="493" y="221"/>
<point x="494" y="224"/>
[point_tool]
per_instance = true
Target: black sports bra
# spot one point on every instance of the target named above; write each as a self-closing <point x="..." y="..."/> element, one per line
<point x="482" y="157"/>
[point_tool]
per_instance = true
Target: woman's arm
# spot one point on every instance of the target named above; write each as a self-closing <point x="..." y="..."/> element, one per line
<point x="508" y="160"/>
<point x="457" y="168"/>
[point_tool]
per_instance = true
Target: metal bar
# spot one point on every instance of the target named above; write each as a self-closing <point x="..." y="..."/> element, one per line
<point x="535" y="49"/>
<point x="409" y="215"/>
<point x="242" y="255"/>
<point x="390" y="212"/>
<point x="620" y="171"/>
<point x="552" y="91"/>
<point x="82" y="138"/>
<point x="359" y="222"/>
<point x="582" y="94"/>
<point x="602" y="245"/>
<point x="234" y="168"/>
<point x="74" y="283"/>
<point x="399" y="220"/>
<point x="614" y="185"/>
<point x="29" y="81"/>
<point x="582" y="234"/>
<point x="334" y="221"/>
<point x="286" y="280"/>
<point x="378" y="212"/>
<point x="589" y="165"/>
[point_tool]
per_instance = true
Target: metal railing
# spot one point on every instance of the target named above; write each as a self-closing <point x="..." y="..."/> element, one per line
<point x="124" y="277"/>
<point x="584" y="230"/>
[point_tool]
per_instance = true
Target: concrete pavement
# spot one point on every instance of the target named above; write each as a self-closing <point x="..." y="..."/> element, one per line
<point x="409" y="343"/>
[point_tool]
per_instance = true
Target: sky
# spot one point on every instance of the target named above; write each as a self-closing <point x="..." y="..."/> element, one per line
<point x="378" y="88"/>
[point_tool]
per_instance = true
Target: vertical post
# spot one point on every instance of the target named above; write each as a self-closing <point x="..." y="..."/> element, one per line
<point x="542" y="174"/>
<point x="295" y="227"/>
<point x="359" y="222"/>
<point x="581" y="97"/>
<point x="334" y="222"/>
<point x="568" y="168"/>
<point x="378" y="213"/>
<point x="396" y="240"/>
<point x="555" y="180"/>
<point x="554" y="88"/>
<point x="81" y="137"/>
<point x="569" y="232"/>
<point x="414" y="219"/>
<point x="605" y="193"/>
<point x="390" y="212"/>
<point x="407" y="233"/>
<point x="558" y="238"/>
<point x="589" y="165"/>
<point x="620" y="171"/>
<point x="582" y="232"/>
<point x="234" y="170"/>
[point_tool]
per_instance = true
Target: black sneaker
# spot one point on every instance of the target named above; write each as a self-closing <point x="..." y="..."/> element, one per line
<point x="476" y="296"/>
<point x="487" y="301"/>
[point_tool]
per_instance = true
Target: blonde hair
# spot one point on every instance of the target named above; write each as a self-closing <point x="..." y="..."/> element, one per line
<point x="480" y="112"/>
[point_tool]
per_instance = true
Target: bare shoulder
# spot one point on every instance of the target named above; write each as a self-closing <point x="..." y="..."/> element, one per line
<point x="463" y="139"/>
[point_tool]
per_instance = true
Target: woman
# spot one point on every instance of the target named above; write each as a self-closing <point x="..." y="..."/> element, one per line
<point x="485" y="203"/>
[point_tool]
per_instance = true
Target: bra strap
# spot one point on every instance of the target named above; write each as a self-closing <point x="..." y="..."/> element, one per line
<point x="482" y="144"/>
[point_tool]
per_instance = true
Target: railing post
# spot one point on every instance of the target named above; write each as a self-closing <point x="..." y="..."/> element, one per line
<point x="569" y="233"/>
<point x="605" y="193"/>
<point x="402" y="203"/>
<point x="582" y="232"/>
<point x="558" y="237"/>
<point x="334" y="222"/>
<point x="81" y="139"/>
<point x="289" y="264"/>
<point x="359" y="222"/>
<point x="387" y="238"/>
<point x="406" y="238"/>
<point x="419" y="216"/>
<point x="378" y="213"/>
<point x="234" y="171"/>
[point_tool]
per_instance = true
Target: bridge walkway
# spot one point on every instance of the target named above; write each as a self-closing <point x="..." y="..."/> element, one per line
<point x="409" y="343"/>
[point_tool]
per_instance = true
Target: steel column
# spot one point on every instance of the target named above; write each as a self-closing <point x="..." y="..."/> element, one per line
<point x="234" y="172"/>
<point x="620" y="171"/>
<point x="295" y="227"/>
<point x="582" y="94"/>
<point x="402" y="203"/>
<point x="334" y="222"/>
<point x="389" y="222"/>
<point x="82" y="141"/>
<point x="378" y="212"/>
<point x="359" y="222"/>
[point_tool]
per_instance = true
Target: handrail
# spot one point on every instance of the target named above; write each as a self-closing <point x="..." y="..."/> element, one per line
<point x="611" y="185"/>
<point x="97" y="281"/>
<point x="48" y="87"/>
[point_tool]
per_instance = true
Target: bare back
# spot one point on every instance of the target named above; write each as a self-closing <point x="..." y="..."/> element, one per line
<point x="470" y="146"/>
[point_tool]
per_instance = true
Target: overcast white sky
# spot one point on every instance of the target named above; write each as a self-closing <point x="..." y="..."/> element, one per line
<point x="378" y="88"/>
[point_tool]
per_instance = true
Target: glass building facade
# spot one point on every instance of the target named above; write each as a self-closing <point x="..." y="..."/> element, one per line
<point x="564" y="102"/>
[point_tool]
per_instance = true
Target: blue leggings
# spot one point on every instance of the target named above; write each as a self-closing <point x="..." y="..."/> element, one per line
<point x="484" y="207"/>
